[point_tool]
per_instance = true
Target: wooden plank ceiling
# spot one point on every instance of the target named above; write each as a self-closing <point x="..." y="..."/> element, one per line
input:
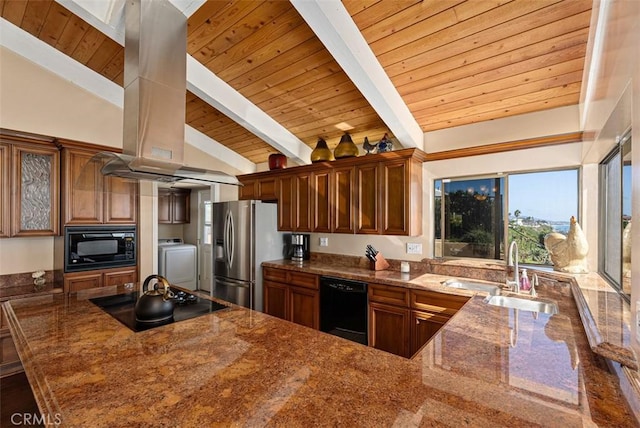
<point x="453" y="62"/>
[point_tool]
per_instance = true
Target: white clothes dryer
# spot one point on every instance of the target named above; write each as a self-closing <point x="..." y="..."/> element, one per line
<point x="178" y="262"/>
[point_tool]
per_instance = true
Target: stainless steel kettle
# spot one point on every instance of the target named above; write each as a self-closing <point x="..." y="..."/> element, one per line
<point x="157" y="304"/>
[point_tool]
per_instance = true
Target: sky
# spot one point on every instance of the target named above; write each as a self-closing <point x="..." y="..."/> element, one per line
<point x="550" y="195"/>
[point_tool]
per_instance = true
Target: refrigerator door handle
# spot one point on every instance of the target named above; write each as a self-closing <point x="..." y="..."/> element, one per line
<point x="230" y="239"/>
<point x="225" y="238"/>
<point x="232" y="283"/>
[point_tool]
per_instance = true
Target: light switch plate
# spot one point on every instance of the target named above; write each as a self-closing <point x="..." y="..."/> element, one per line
<point x="324" y="242"/>
<point x="414" y="248"/>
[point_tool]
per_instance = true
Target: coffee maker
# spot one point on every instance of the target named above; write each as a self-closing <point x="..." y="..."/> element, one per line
<point x="296" y="246"/>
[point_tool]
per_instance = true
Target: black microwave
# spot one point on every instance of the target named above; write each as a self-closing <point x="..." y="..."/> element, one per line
<point x="99" y="247"/>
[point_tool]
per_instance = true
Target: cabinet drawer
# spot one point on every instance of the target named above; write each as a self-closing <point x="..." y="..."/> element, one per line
<point x="446" y="304"/>
<point x="302" y="279"/>
<point x="389" y="294"/>
<point x="119" y="277"/>
<point x="275" y="274"/>
<point x="82" y="282"/>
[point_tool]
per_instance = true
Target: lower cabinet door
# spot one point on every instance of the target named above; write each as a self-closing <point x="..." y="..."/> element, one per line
<point x="276" y="299"/>
<point x="389" y="328"/>
<point x="304" y="307"/>
<point x="424" y="326"/>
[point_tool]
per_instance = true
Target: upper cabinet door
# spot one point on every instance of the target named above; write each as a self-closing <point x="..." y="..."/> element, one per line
<point x="396" y="197"/>
<point x="302" y="202"/>
<point x="5" y="190"/>
<point x="174" y="206"/>
<point x="343" y="191"/>
<point x="91" y="198"/>
<point x="285" y="203"/>
<point x="82" y="193"/>
<point x="35" y="199"/>
<point x="120" y="200"/>
<point x="368" y="197"/>
<point x="321" y="201"/>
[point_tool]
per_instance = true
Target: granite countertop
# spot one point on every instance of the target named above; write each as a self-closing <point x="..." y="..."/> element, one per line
<point x="488" y="366"/>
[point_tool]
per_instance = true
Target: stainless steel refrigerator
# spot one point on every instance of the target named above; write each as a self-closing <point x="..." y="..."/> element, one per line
<point x="245" y="233"/>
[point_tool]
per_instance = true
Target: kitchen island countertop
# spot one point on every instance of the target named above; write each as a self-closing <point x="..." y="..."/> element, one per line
<point x="488" y="366"/>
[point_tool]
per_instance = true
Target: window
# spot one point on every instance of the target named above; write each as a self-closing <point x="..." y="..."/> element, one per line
<point x="207" y="224"/>
<point x="540" y="203"/>
<point x="469" y="217"/>
<point x="473" y="214"/>
<point x="615" y="216"/>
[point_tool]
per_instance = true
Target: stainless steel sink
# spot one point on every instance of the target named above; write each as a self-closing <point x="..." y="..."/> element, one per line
<point x="523" y="304"/>
<point x="492" y="290"/>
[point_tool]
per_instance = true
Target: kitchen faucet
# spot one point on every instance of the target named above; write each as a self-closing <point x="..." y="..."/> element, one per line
<point x="511" y="261"/>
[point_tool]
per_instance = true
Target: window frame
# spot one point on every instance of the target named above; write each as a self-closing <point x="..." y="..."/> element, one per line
<point x="622" y="143"/>
<point x="505" y="208"/>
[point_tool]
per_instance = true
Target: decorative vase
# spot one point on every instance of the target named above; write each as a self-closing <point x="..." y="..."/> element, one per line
<point x="277" y="161"/>
<point x="346" y="148"/>
<point x="321" y="152"/>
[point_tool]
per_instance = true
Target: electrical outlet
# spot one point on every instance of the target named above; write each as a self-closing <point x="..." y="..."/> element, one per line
<point x="414" y="248"/>
<point x="324" y="242"/>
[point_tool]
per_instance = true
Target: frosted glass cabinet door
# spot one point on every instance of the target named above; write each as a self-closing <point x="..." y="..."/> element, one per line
<point x="35" y="191"/>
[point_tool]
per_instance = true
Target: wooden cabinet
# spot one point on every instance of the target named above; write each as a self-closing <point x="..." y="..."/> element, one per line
<point x="424" y="325"/>
<point x="76" y="281"/>
<point x="387" y="198"/>
<point x="9" y="359"/>
<point x="174" y="206"/>
<point x="389" y="328"/>
<point x="430" y="311"/>
<point x="376" y="194"/>
<point x="91" y="198"/>
<point x="389" y="318"/>
<point x="292" y="296"/>
<point x="30" y="184"/>
<point x="343" y="200"/>
<point x="303" y="200"/>
<point x="321" y="202"/>
<point x="264" y="189"/>
<point x="302" y="208"/>
<point x="401" y="320"/>
<point x="369" y="199"/>
<point x="276" y="299"/>
<point x="5" y="190"/>
<point x="285" y="203"/>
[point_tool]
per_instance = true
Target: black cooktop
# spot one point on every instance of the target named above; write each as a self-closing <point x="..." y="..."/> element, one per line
<point x="121" y="307"/>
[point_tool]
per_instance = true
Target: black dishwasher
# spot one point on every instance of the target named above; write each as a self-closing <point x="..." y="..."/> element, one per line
<point x="343" y="308"/>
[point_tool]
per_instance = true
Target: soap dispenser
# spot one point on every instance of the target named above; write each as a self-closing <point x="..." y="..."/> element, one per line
<point x="525" y="285"/>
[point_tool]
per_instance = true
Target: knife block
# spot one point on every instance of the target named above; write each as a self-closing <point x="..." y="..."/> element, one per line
<point x="380" y="264"/>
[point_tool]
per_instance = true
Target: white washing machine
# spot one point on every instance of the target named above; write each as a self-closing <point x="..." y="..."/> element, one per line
<point x="178" y="262"/>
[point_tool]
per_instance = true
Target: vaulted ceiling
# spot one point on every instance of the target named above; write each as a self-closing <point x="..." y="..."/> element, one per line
<point x="318" y="69"/>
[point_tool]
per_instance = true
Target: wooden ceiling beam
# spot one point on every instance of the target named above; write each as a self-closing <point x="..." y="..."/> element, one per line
<point x="216" y="92"/>
<point x="335" y="28"/>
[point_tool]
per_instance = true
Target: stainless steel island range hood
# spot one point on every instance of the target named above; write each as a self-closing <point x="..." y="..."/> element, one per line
<point x="155" y="84"/>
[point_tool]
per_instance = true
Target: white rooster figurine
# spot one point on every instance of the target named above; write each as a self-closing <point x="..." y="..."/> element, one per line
<point x="568" y="253"/>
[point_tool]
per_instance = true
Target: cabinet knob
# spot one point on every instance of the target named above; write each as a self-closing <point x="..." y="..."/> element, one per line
<point x="417" y="321"/>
